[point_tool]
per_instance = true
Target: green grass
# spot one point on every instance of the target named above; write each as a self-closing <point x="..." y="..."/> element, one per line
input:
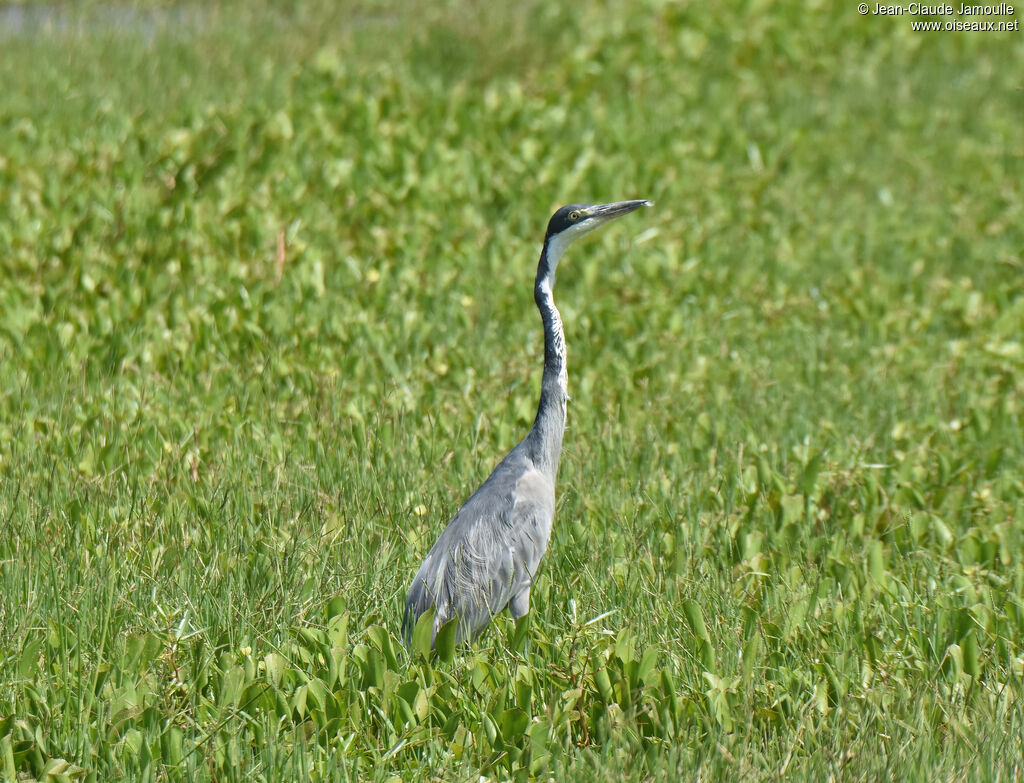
<point x="266" y="319"/>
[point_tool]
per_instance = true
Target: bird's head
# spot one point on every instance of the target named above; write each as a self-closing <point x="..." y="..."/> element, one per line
<point x="575" y="220"/>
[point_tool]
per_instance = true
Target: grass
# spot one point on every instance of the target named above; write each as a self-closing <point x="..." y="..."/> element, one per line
<point x="266" y="320"/>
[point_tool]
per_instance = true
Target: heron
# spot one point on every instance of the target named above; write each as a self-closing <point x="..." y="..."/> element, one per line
<point x="487" y="557"/>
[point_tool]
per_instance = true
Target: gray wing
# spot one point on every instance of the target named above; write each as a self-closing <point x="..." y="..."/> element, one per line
<point x="489" y="552"/>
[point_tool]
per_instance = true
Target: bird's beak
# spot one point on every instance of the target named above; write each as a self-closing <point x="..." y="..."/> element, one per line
<point x="602" y="213"/>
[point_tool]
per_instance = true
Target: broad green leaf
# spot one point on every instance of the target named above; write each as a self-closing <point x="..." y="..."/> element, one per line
<point x="444" y="642"/>
<point x="809" y="475"/>
<point x="298" y="703"/>
<point x="171" y="746"/>
<point x="625" y="645"/>
<point x="524" y="693"/>
<point x="602" y="681"/>
<point x="232" y="683"/>
<point x="876" y="562"/>
<point x="969" y="646"/>
<point x="513" y="723"/>
<point x="422" y="634"/>
<point x="751" y="649"/>
<point x="337" y="630"/>
<point x="647" y="663"/>
<point x="953" y="661"/>
<point x="521" y="633"/>
<point x="380" y="637"/>
<point x="274" y="667"/>
<point x="695" y="618"/>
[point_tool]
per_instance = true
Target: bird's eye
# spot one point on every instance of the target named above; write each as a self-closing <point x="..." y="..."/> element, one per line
<point x="574" y="215"/>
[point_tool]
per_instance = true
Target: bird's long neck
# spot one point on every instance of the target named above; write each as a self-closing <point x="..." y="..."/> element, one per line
<point x="545" y="438"/>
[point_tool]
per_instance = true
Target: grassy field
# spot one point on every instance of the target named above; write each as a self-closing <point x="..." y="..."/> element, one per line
<point x="266" y="319"/>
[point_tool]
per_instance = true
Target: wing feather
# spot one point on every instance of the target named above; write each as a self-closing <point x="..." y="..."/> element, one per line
<point x="488" y="553"/>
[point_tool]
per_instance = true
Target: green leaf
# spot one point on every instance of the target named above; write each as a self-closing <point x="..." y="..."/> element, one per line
<point x="520" y="634"/>
<point x="539" y="733"/>
<point x="380" y="637"/>
<point x="29" y="662"/>
<point x="7" y="753"/>
<point x="750" y="652"/>
<point x="513" y="723"/>
<point x="668" y="687"/>
<point x="524" y="693"/>
<point x="337" y="630"/>
<point x="969" y="645"/>
<point x="953" y="661"/>
<point x="274" y="666"/>
<point x="373" y="669"/>
<point x="809" y="475"/>
<point x="171" y="746"/>
<point x="317" y="693"/>
<point x="876" y="563"/>
<point x="334" y="608"/>
<point x="313" y="639"/>
<point x="298" y="703"/>
<point x="695" y="619"/>
<point x="232" y="683"/>
<point x="444" y="642"/>
<point x="491" y="731"/>
<point x="624" y="646"/>
<point x="647" y="664"/>
<point x="422" y="633"/>
<point x="602" y="681"/>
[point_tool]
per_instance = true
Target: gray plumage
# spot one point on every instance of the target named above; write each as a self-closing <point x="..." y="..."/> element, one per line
<point x="487" y="557"/>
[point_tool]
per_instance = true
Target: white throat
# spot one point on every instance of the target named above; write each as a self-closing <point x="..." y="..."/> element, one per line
<point x="558" y="243"/>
